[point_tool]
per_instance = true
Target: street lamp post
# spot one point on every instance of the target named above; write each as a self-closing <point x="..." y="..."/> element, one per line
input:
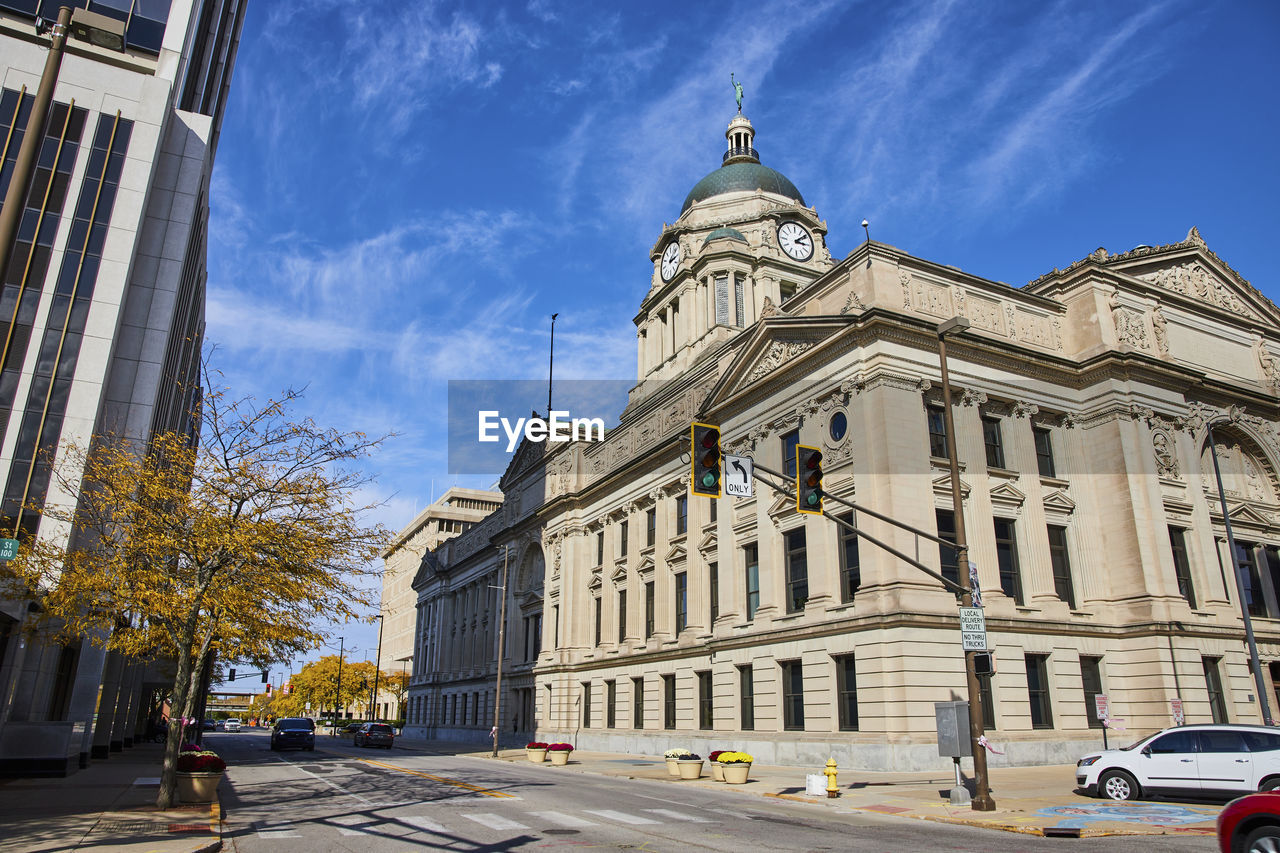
<point x="337" y="697"/>
<point x="502" y="635"/>
<point x="377" y="671"/>
<point x="982" y="800"/>
<point x="1254" y="663"/>
<point x="92" y="27"/>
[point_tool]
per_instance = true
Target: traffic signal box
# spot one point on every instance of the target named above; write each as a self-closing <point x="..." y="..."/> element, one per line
<point x="705" y="456"/>
<point x="808" y="480"/>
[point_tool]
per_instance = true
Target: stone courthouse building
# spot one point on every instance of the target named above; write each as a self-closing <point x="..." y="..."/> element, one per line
<point x="641" y="618"/>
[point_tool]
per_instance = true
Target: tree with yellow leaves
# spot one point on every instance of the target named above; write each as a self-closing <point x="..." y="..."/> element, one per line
<point x="317" y="682"/>
<point x="242" y="543"/>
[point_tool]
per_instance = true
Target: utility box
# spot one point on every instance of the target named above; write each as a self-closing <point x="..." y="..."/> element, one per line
<point x="952" y="720"/>
<point x="815" y="785"/>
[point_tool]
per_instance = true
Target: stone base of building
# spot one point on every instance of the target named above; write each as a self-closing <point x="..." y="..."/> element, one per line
<point x="41" y="749"/>
<point x="100" y="751"/>
<point x="467" y="735"/>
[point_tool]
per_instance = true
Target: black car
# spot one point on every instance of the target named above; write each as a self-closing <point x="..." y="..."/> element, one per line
<point x="294" y="733"/>
<point x="375" y="734"/>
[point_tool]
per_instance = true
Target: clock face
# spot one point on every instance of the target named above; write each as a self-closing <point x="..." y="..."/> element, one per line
<point x="670" y="260"/>
<point x="795" y="241"/>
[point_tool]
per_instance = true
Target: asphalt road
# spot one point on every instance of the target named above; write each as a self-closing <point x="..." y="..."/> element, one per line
<point x="339" y="798"/>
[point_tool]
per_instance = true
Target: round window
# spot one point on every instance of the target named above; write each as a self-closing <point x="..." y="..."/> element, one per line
<point x="838" y="426"/>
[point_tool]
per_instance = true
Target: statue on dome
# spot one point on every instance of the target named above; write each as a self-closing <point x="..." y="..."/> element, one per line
<point x="737" y="91"/>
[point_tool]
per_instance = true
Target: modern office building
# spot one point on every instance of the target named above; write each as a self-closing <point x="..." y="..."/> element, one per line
<point x="1082" y="406"/>
<point x="103" y="306"/>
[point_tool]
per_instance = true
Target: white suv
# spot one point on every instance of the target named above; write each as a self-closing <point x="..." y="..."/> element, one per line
<point x="1207" y="758"/>
<point x="231" y="725"/>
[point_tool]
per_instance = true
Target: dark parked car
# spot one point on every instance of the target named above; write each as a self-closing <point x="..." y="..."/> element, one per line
<point x="375" y="734"/>
<point x="1250" y="824"/>
<point x="210" y="725"/>
<point x="294" y="733"/>
<point x="352" y="728"/>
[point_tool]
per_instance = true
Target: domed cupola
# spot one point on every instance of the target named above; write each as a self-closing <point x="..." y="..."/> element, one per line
<point x="742" y="170"/>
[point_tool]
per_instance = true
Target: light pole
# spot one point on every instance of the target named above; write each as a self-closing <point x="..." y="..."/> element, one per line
<point x="502" y="635"/>
<point x="337" y="697"/>
<point x="1254" y="663"/>
<point x="377" y="670"/>
<point x="88" y="26"/>
<point x="982" y="801"/>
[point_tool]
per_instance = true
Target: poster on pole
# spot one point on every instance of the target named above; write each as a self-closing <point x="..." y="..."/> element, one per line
<point x="973" y="584"/>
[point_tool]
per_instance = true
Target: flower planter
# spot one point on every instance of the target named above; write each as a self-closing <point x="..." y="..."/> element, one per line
<point x="690" y="769"/>
<point x="537" y="756"/>
<point x="673" y="768"/>
<point x="717" y="771"/>
<point x="198" y="787"/>
<point x="559" y="757"/>
<point x="736" y="773"/>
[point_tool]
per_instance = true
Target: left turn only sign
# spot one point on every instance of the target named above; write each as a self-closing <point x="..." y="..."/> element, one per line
<point x="737" y="476"/>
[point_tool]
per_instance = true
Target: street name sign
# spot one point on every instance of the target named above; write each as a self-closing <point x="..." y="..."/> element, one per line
<point x="8" y="549"/>
<point x="973" y="629"/>
<point x="737" y="476"/>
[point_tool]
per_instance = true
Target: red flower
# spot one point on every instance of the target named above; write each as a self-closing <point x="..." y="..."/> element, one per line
<point x="201" y="762"/>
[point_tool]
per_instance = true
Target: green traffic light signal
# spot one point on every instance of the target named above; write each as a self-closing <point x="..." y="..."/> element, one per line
<point x="808" y="479"/>
<point x="704" y="452"/>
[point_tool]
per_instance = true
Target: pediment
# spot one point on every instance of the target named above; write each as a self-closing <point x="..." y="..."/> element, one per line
<point x="1250" y="516"/>
<point x="942" y="486"/>
<point x="595" y="583"/>
<point x="1059" y="501"/>
<point x="776" y="343"/>
<point x="1006" y="494"/>
<point x="676" y="554"/>
<point x="782" y="504"/>
<point x="707" y="542"/>
<point x="619" y="574"/>
<point x="645" y="568"/>
<point x="529" y="600"/>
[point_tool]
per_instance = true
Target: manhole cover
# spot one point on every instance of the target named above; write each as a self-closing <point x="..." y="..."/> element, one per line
<point x="559" y="832"/>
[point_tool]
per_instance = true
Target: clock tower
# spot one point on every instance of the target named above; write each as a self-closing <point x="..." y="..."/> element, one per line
<point x="744" y="236"/>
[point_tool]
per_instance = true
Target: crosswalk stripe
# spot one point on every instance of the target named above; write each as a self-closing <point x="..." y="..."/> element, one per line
<point x="422" y="823"/>
<point x="675" y="815"/>
<point x="563" y="819"/>
<point x="493" y="821"/>
<point x="621" y="817"/>
<point x="272" y="831"/>
<point x="351" y="819"/>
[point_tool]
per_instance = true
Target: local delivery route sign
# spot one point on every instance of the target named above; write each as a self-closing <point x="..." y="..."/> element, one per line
<point x="973" y="629"/>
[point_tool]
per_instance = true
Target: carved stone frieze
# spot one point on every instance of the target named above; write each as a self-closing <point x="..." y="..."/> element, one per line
<point x="1160" y="331"/>
<point x="1131" y="325"/>
<point x="934" y="299"/>
<point x="778" y="353"/>
<point x="958" y="297"/>
<point x="1267" y="363"/>
<point x="1162" y="444"/>
<point x="985" y="314"/>
<point x="1192" y="279"/>
<point x="1011" y="317"/>
<point x="972" y="397"/>
<point x="853" y="302"/>
<point x="904" y="278"/>
<point x="1023" y="409"/>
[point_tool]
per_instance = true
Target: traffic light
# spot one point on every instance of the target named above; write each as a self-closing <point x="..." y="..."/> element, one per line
<point x="268" y="690"/>
<point x="232" y="676"/>
<point x="705" y="455"/>
<point x="288" y="687"/>
<point x="264" y="677"/>
<point x="808" y="479"/>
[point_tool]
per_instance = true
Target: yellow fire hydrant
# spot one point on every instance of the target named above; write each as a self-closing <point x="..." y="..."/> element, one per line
<point x="833" y="790"/>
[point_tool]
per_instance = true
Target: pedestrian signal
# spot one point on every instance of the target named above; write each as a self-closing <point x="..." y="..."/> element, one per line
<point x="705" y="456"/>
<point x="808" y="479"/>
<point x="984" y="663"/>
<point x="232" y="676"/>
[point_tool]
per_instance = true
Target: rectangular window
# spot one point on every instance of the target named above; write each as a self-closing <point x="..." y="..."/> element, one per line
<point x="1091" y="680"/>
<point x="993" y="441"/>
<point x="637" y="702"/>
<point x="1061" y="563"/>
<point x="1254" y="597"/>
<point x="752" y="554"/>
<point x="739" y="284"/>
<point x="622" y="615"/>
<point x="682" y="515"/>
<point x="789" y="442"/>
<point x="1044" y="451"/>
<point x="1007" y="559"/>
<point x="850" y="572"/>
<point x="1182" y="566"/>
<point x="600" y="548"/>
<point x="797" y="571"/>
<point x="599" y="618"/>
<point x="668" y="701"/>
<point x="722" y="300"/>
<point x="611" y="704"/>
<point x="1038" y="691"/>
<point x="1213" y="683"/>
<point x="746" y="698"/>
<point x="947" y="556"/>
<point x="847" y="692"/>
<point x="937" y="432"/>
<point x="792" y="695"/>
<point x="651" y="527"/>
<point x="682" y="601"/>
<point x="586" y="704"/>
<point x="706" y="711"/>
<point x="714" y="511"/>
<point x="648" y="610"/>
<point x="713" y="577"/>
<point x="622" y="539"/>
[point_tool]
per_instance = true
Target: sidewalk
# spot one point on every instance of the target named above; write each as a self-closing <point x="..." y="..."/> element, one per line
<point x="108" y="806"/>
<point x="1033" y="800"/>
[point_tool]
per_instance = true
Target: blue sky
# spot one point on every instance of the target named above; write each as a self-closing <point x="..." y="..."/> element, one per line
<point x="406" y="191"/>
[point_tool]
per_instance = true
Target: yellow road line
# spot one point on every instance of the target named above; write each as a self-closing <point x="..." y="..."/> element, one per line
<point x="445" y="780"/>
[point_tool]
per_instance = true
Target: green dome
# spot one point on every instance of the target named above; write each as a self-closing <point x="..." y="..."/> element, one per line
<point x="741" y="177"/>
<point x="731" y="233"/>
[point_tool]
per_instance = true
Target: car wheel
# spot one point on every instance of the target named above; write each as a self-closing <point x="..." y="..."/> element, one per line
<point x="1118" y="785"/>
<point x="1264" y="839"/>
<point x="1270" y="785"/>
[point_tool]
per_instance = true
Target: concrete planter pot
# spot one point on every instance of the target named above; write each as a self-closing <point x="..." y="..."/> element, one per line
<point x="537" y="756"/>
<point x="736" y="773"/>
<point x="198" y="787"/>
<point x="559" y="757"/>
<point x="717" y="771"/>
<point x="673" y="767"/>
<point x="690" y="769"/>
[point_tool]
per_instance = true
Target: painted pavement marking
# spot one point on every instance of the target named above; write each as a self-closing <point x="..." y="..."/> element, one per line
<point x="455" y="782"/>
<point x="422" y="823"/>
<point x="675" y="815"/>
<point x="269" y="830"/>
<point x="620" y="817"/>
<point x="493" y="821"/>
<point x="563" y="819"/>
